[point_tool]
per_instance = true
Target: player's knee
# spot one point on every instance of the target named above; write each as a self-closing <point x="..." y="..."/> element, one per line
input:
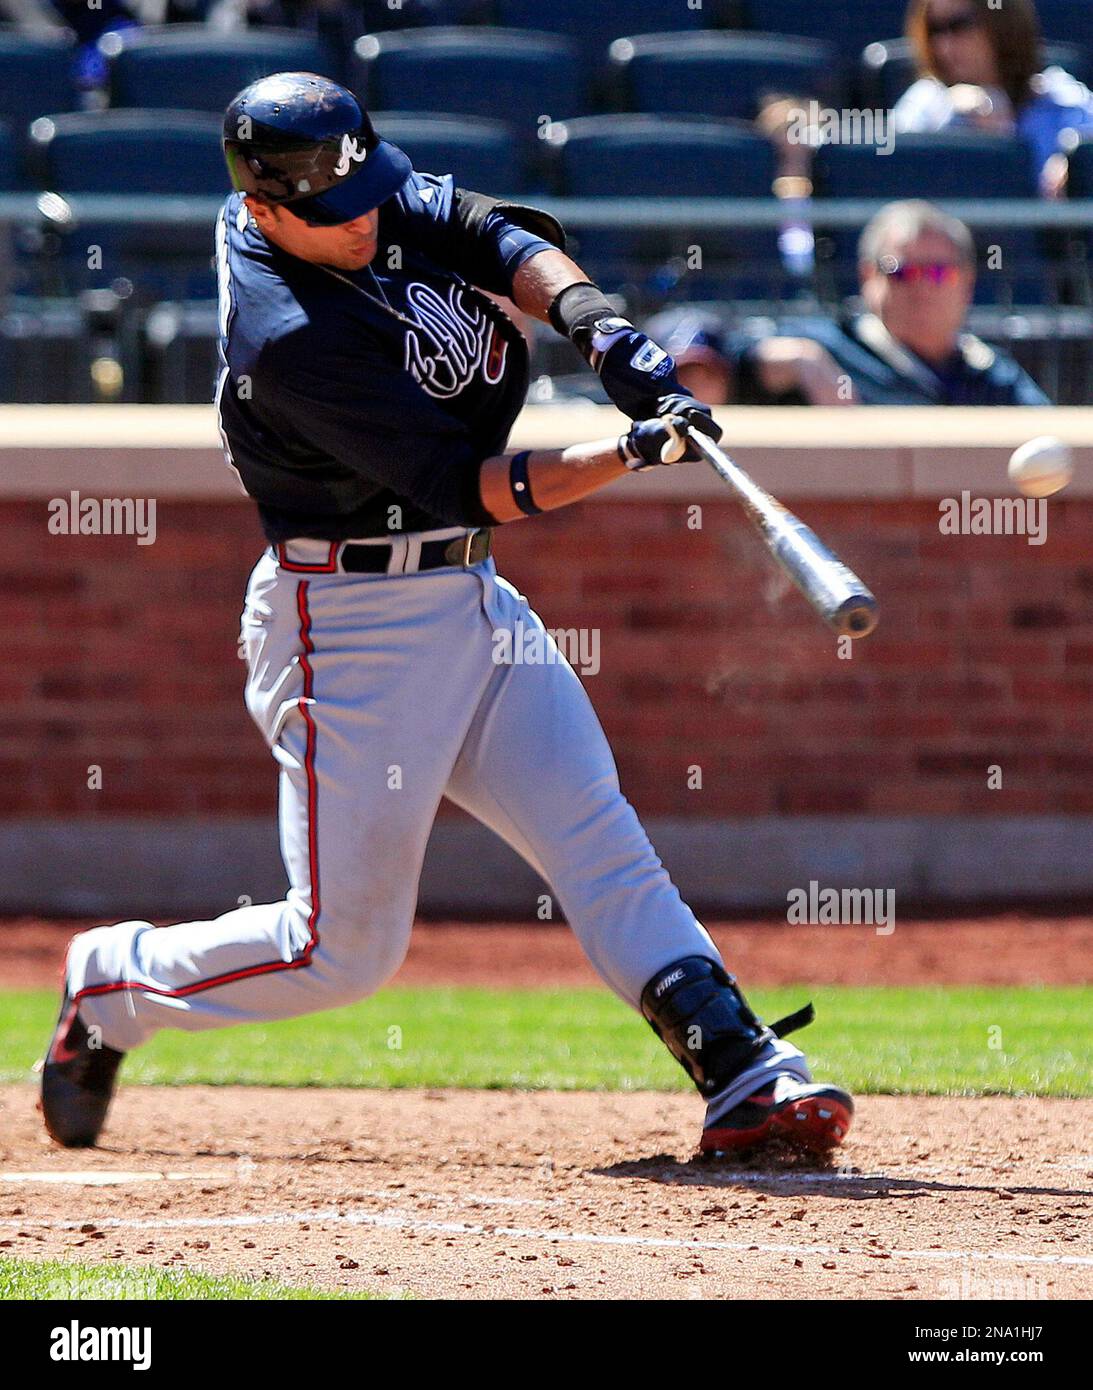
<point x="373" y="956"/>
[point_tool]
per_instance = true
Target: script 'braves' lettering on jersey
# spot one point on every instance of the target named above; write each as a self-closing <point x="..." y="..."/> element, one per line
<point x="356" y="402"/>
<point x="455" y="341"/>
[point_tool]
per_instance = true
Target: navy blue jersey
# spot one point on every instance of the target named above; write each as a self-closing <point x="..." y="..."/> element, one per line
<point x="354" y="403"/>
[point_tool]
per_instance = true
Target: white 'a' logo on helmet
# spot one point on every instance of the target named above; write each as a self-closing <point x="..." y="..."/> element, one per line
<point x="352" y="153"/>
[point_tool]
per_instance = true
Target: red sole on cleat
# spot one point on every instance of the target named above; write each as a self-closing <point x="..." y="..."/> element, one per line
<point x="816" y="1124"/>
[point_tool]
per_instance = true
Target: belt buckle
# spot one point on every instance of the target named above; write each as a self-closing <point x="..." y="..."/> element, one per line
<point x="462" y="550"/>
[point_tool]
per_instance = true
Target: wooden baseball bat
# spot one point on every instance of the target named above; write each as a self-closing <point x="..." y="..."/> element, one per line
<point x="833" y="590"/>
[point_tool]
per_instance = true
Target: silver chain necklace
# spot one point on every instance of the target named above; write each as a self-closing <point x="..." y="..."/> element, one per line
<point x="383" y="302"/>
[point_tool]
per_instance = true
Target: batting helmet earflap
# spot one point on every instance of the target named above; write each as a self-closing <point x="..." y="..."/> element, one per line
<point x="299" y="140"/>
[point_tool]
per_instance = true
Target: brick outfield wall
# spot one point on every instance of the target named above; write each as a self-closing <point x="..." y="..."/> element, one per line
<point x="125" y="656"/>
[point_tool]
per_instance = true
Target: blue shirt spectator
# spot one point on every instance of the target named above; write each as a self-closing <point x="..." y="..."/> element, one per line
<point x="876" y="368"/>
<point x="909" y="347"/>
<point x="1058" y="103"/>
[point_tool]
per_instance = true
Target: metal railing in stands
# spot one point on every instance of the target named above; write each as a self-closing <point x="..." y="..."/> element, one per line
<point x="623" y="213"/>
<point x="1054" y="340"/>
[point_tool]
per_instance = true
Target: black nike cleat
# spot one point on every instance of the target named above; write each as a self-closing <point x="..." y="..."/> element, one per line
<point x="810" y="1117"/>
<point x="78" y="1078"/>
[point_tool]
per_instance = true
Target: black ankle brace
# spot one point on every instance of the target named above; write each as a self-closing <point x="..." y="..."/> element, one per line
<point x="697" y="1009"/>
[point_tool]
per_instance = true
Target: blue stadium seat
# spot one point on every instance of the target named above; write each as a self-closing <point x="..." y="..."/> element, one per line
<point x="188" y="67"/>
<point x="644" y="156"/>
<point x="477" y="152"/>
<point x="717" y="74"/>
<point x="650" y="157"/>
<point x="35" y="76"/>
<point x="888" y="67"/>
<point x="595" y="25"/>
<point x="947" y="166"/>
<point x="1067" y="20"/>
<point x="148" y="151"/>
<point x="850" y="24"/>
<point x="953" y="164"/>
<point x="171" y="152"/>
<point x="494" y="73"/>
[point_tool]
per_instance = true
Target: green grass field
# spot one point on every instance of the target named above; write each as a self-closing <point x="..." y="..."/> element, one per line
<point x="934" y="1041"/>
<point x="55" y="1280"/>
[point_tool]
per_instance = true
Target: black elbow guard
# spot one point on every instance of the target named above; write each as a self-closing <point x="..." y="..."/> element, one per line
<point x="472" y="209"/>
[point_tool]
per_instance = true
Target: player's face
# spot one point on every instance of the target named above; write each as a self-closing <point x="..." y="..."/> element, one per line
<point x="925" y="301"/>
<point x="348" y="246"/>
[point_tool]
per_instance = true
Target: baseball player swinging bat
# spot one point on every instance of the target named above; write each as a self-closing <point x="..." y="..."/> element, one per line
<point x="367" y="389"/>
<point x="833" y="590"/>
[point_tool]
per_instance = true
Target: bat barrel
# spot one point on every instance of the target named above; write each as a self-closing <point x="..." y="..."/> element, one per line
<point x="833" y="590"/>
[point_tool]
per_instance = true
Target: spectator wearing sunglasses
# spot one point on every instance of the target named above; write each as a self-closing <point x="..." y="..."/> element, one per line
<point x="908" y="347"/>
<point x="981" y="66"/>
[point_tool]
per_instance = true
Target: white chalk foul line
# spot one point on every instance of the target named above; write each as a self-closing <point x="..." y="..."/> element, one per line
<point x="988" y="1179"/>
<point x="464" y="1199"/>
<point x="406" y="1221"/>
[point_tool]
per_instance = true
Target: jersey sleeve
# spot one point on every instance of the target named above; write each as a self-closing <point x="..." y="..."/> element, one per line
<point x="483" y="239"/>
<point x="348" y="405"/>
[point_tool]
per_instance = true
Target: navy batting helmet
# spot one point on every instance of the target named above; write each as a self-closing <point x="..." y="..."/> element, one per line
<point x="300" y="140"/>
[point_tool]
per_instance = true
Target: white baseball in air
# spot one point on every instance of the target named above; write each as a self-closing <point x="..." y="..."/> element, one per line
<point x="1042" y="467"/>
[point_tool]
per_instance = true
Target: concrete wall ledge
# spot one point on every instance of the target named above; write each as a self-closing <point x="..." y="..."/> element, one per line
<point x="197" y="868"/>
<point x="884" y="453"/>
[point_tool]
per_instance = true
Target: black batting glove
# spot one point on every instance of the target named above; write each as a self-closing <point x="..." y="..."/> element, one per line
<point x="638" y="375"/>
<point x="664" y="440"/>
<point x="697" y="415"/>
<point x="653" y="443"/>
<point x="636" y="372"/>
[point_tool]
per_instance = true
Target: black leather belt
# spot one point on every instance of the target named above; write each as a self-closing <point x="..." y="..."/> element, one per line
<point x="470" y="549"/>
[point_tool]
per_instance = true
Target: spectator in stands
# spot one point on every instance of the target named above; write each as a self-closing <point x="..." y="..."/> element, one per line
<point x="696" y="338"/>
<point x="86" y="20"/>
<point x="909" y="347"/>
<point x="981" y="67"/>
<point x="739" y="369"/>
